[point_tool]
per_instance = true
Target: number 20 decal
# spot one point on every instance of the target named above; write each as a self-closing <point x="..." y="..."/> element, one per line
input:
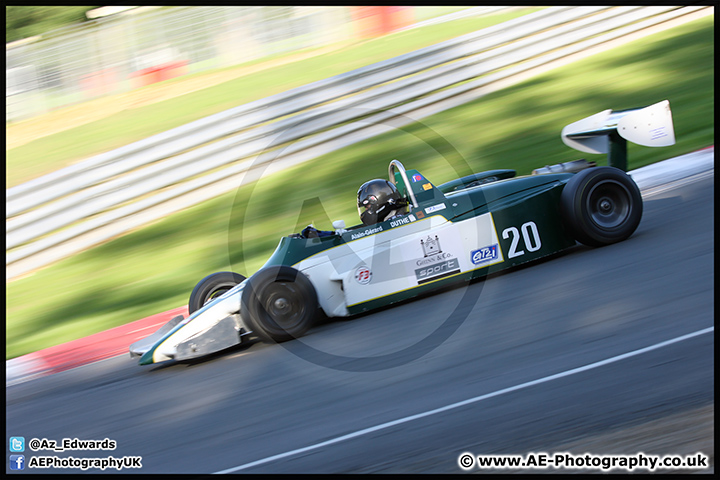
<point x="530" y="235"/>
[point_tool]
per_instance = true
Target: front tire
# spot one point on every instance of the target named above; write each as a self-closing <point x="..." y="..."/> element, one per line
<point x="279" y="303"/>
<point x="212" y="287"/>
<point x="601" y="206"/>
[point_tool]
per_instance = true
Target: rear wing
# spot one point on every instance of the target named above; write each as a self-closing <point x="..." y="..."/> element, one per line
<point x="607" y="131"/>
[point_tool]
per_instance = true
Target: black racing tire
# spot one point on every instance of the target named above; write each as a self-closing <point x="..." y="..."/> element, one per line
<point x="601" y="206"/>
<point x="212" y="287"/>
<point x="279" y="303"/>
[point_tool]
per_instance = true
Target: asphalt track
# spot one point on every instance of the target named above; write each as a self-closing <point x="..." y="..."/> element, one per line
<point x="513" y="357"/>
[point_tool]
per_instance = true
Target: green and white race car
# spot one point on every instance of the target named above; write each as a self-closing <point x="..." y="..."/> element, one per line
<point x="436" y="235"/>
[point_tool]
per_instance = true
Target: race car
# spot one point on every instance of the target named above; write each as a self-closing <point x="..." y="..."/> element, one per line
<point x="435" y="235"/>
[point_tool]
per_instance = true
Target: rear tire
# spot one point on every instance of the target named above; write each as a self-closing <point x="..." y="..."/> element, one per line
<point x="601" y="206"/>
<point x="212" y="287"/>
<point x="279" y="303"/>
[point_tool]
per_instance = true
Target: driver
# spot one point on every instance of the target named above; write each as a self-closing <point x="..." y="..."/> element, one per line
<point x="379" y="200"/>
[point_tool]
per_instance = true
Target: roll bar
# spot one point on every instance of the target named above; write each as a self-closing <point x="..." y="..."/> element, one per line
<point x="401" y="169"/>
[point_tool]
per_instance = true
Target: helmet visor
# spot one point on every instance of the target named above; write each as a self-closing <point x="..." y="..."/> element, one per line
<point x="367" y="210"/>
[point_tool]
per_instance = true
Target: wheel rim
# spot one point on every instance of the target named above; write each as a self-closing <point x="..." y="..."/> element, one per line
<point x="608" y="204"/>
<point x="215" y="294"/>
<point x="284" y="304"/>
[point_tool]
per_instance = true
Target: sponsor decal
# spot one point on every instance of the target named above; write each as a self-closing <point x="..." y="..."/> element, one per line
<point x="656" y="133"/>
<point x="366" y="232"/>
<point x="363" y="275"/>
<point x="435" y="208"/>
<point x="417" y="178"/>
<point x="484" y="255"/>
<point x="435" y="263"/>
<point x="427" y="186"/>
<point x="420" y="214"/>
<point x="431" y="246"/>
<point x="437" y="270"/>
<point x="432" y="259"/>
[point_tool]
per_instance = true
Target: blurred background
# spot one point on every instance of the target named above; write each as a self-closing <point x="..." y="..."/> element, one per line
<point x="109" y="50"/>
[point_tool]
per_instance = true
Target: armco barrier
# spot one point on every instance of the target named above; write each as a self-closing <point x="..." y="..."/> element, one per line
<point x="82" y="205"/>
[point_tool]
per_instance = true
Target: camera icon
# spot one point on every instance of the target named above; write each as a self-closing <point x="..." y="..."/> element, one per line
<point x="17" y="444"/>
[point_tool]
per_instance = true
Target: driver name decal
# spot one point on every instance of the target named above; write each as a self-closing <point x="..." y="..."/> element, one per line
<point x="366" y="232"/>
<point x="402" y="221"/>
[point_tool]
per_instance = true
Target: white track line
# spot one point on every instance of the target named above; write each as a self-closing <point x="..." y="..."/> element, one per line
<point x="480" y="398"/>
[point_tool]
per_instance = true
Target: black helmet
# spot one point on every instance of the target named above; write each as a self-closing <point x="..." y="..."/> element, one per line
<point x="378" y="199"/>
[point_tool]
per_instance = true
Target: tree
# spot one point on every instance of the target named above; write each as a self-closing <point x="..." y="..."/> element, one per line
<point x="23" y="21"/>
